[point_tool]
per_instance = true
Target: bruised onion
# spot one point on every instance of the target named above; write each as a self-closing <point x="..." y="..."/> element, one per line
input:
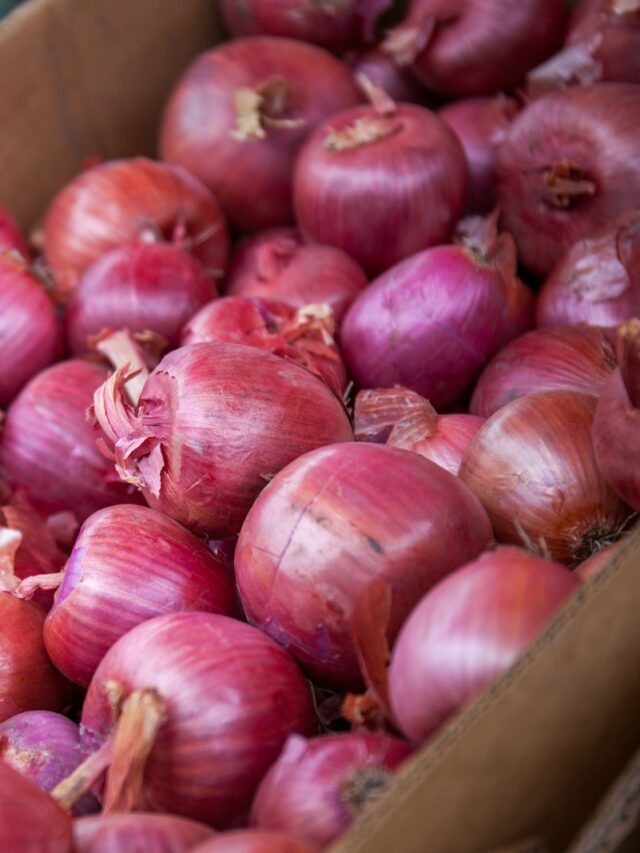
<point x="29" y="818"/>
<point x="533" y="467"/>
<point x="331" y="523"/>
<point x="119" y="202"/>
<point x="240" y="113"/>
<point x="11" y="237"/>
<point x="569" y="358"/>
<point x="255" y="841"/>
<point x="317" y="787"/>
<point x="569" y="166"/>
<point x="469" y="629"/>
<point x="133" y="833"/>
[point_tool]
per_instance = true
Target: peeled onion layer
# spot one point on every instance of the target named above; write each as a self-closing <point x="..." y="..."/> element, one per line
<point x="132" y="833"/>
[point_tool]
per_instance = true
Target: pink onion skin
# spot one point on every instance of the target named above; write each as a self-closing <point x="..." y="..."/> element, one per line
<point x="317" y="787"/>
<point x="468" y="630"/>
<point x="232" y="698"/>
<point x="477" y="47"/>
<point x="44" y="747"/>
<point x="132" y="833"/>
<point x="250" y="172"/>
<point x="567" y="358"/>
<point x="597" y="281"/>
<point x="386" y="198"/>
<point x="141" y="287"/>
<point x="30" y="336"/>
<point x="11" y="237"/>
<point x="568" y="167"/>
<point x="382" y="71"/>
<point x="267" y="412"/>
<point x="481" y="125"/>
<point x="255" y="841"/>
<point x="29" y="818"/>
<point x="332" y="522"/>
<point x="597" y="562"/>
<point x="128" y="565"/>
<point x="140" y="196"/>
<point x="277" y="264"/>
<point x="447" y="446"/>
<point x="48" y="447"/>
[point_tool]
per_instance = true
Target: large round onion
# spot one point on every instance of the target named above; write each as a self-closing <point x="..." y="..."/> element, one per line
<point x="533" y="466"/>
<point x="133" y="833"/>
<point x="470" y="628"/>
<point x="11" y="237"/>
<point x="240" y="113"/>
<point x="569" y="165"/>
<point x="331" y="523"/>
<point x="118" y="202"/>
<point x="29" y="818"/>
<point x="255" y="841"/>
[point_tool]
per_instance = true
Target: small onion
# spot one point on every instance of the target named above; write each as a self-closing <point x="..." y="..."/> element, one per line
<point x="134" y="833"/>
<point x="568" y="358"/>
<point x="380" y="69"/>
<point x="318" y="787"/>
<point x="30" y="820"/>
<point x="239" y="115"/>
<point x="331" y="523"/>
<point x="533" y="467"/>
<point x="11" y="237"/>
<point x="597" y="562"/>
<point x="468" y="630"/>
<point x="255" y="841"/>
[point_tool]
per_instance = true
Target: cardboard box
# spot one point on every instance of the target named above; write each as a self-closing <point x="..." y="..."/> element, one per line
<point x="532" y="756"/>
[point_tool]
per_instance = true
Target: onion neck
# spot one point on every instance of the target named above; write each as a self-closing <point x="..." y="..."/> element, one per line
<point x="407" y="41"/>
<point x="566" y="184"/>
<point x="261" y="108"/>
<point x="364" y="131"/>
<point x="363" y="787"/>
<point x="628" y="351"/>
<point x="122" y="350"/>
<point x="10" y="542"/>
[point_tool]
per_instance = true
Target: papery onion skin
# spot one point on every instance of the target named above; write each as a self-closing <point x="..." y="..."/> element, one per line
<point x="249" y="166"/>
<point x="277" y="264"/>
<point x="44" y="747"/>
<point x="597" y="280"/>
<point x="49" y="448"/>
<point x="128" y="565"/>
<point x="381" y="70"/>
<point x="568" y="167"/>
<point x="11" y="237"/>
<point x="29" y="818"/>
<point x="597" y="562"/>
<point x="331" y="523"/>
<point x="232" y="698"/>
<point x="317" y="787"/>
<point x="141" y="287"/>
<point x="380" y="186"/>
<point x="468" y="630"/>
<point x="118" y="202"/>
<point x="569" y="358"/>
<point x="132" y="833"/>
<point x="30" y="337"/>
<point x="533" y="467"/>
<point x="255" y="841"/>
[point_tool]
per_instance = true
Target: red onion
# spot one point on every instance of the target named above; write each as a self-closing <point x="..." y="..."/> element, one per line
<point x="401" y="418"/>
<point x="128" y="565"/>
<point x="568" y="358"/>
<point x="49" y="448"/>
<point x="29" y="818"/>
<point x="616" y="427"/>
<point x="481" y="125"/>
<point x="534" y="469"/>
<point x="45" y="747"/>
<point x="318" y="787"/>
<point x="330" y="524"/>
<point x="121" y="201"/>
<point x="255" y="841"/>
<point x="266" y="410"/>
<point x="380" y="182"/>
<point x="433" y="321"/>
<point x="603" y="43"/>
<point x="239" y="115"/>
<point x="133" y="833"/>
<point x="569" y="166"/>
<point x="11" y="237"/>
<point x="468" y="630"/>
<point x="143" y="286"/>
<point x="277" y="265"/>
<point x="472" y="47"/>
<point x="29" y="331"/>
<point x="597" y="562"/>
<point x="597" y="280"/>
<point x="380" y="69"/>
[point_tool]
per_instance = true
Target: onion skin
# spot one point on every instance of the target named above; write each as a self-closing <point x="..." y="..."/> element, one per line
<point x="44" y="747"/>
<point x="255" y="841"/>
<point x="597" y="562"/>
<point x="141" y="287"/>
<point x="533" y="467"/>
<point x="468" y="630"/>
<point x="132" y="833"/>
<point x="249" y="166"/>
<point x="48" y="447"/>
<point x="11" y="237"/>
<point x="29" y="818"/>
<point x="398" y="190"/>
<point x="30" y="336"/>
<point x="331" y="523"/>
<point x="277" y="265"/>
<point x="382" y="71"/>
<point x="562" y="358"/>
<point x="568" y="167"/>
<point x="128" y="565"/>
<point x="317" y="787"/>
<point x="597" y="281"/>
<point x="141" y="197"/>
<point x="232" y="697"/>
